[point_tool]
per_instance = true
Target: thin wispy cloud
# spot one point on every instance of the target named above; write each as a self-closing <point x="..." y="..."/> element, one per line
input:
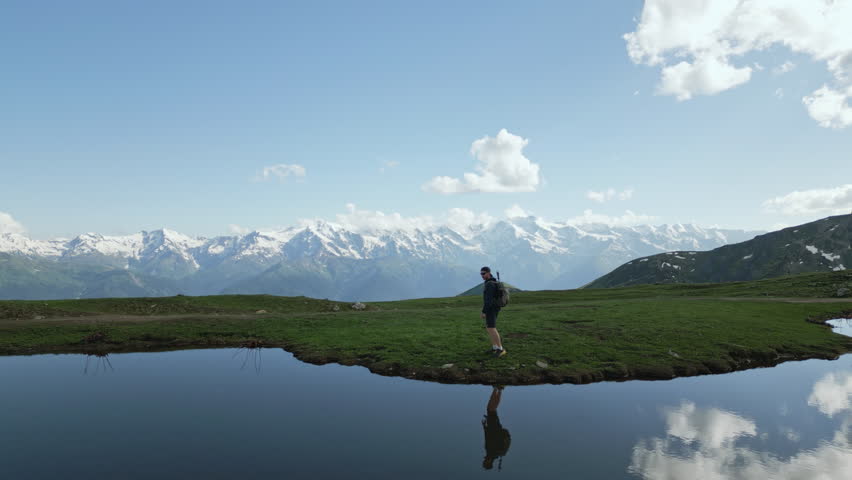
<point x="10" y="225"/>
<point x="822" y="200"/>
<point x="628" y="219"/>
<point x="388" y="165"/>
<point x="609" y="194"/>
<point x="461" y="220"/>
<point x="785" y="67"/>
<point x="501" y="167"/>
<point x="238" y="230"/>
<point x="698" y="46"/>
<point x="281" y="172"/>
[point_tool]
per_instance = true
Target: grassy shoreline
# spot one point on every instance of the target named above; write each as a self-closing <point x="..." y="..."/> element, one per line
<point x="576" y="336"/>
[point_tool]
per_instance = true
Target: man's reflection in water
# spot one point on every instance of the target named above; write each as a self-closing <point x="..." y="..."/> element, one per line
<point x="497" y="438"/>
<point x="100" y="365"/>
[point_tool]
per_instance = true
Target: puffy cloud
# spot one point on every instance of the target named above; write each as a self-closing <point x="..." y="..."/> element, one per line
<point x="466" y="221"/>
<point x="703" y="77"/>
<point x="831" y="394"/>
<point x="281" y="172"/>
<point x="829" y="107"/>
<point x="501" y="167"/>
<point x="609" y="194"/>
<point x="702" y="443"/>
<point x="10" y="225"/>
<point x="629" y="219"/>
<point x="515" y="211"/>
<point x="825" y="200"/>
<point x="710" y="427"/>
<point x="696" y="43"/>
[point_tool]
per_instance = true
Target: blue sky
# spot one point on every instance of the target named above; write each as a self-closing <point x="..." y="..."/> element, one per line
<point x="123" y="116"/>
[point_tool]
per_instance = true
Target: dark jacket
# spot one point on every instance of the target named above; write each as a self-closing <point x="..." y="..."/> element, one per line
<point x="497" y="438"/>
<point x="489" y="296"/>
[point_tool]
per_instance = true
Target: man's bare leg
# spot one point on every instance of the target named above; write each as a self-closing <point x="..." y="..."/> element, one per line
<point x="494" y="401"/>
<point x="495" y="337"/>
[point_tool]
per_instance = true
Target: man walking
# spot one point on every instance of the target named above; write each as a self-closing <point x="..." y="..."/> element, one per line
<point x="490" y="309"/>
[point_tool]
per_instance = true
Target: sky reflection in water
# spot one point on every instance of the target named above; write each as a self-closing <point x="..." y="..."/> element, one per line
<point x="710" y="443"/>
<point x="260" y="413"/>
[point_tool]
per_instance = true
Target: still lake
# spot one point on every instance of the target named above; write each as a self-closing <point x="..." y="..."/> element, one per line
<point x="230" y="413"/>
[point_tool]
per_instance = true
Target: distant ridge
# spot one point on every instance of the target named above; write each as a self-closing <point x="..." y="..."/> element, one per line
<point x="477" y="290"/>
<point x="328" y="260"/>
<point x="821" y="246"/>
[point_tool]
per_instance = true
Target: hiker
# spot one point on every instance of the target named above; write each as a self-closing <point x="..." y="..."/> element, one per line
<point x="497" y="438"/>
<point x="490" y="309"/>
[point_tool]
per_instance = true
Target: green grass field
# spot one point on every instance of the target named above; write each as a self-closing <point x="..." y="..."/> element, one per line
<point x="651" y="332"/>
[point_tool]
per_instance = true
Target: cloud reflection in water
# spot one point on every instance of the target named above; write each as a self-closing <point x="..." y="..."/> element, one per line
<point x="702" y="443"/>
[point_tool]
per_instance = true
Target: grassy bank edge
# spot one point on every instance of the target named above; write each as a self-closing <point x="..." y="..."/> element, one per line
<point x="735" y="360"/>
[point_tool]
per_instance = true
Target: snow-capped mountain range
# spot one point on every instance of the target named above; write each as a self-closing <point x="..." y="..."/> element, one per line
<point x="530" y="252"/>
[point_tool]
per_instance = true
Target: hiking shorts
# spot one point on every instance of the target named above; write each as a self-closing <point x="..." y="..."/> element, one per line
<point x="491" y="318"/>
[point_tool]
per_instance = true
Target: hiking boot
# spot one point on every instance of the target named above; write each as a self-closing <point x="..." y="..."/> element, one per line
<point x="500" y="353"/>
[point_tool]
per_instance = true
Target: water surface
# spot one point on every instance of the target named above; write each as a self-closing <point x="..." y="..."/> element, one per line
<point x="261" y="413"/>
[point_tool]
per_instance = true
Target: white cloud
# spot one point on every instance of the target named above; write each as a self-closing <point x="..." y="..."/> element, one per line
<point x="779" y="93"/>
<point x="697" y="43"/>
<point x="703" y="443"/>
<point x="609" y="194"/>
<point x="461" y="220"/>
<point x="596" y="196"/>
<point x="829" y="107"/>
<point x="388" y="165"/>
<point x="10" y="225"/>
<point x="501" y="167"/>
<point x="790" y="434"/>
<point x="710" y="427"/>
<point x="464" y="221"/>
<point x="825" y="200"/>
<point x="629" y="219"/>
<point x="832" y="394"/>
<point x="516" y="211"/>
<point x="238" y="230"/>
<point x="707" y="76"/>
<point x="281" y="172"/>
<point x="785" y="67"/>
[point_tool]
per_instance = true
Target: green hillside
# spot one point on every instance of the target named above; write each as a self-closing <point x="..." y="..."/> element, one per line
<point x="586" y="335"/>
<point x="346" y="278"/>
<point x="821" y="246"/>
